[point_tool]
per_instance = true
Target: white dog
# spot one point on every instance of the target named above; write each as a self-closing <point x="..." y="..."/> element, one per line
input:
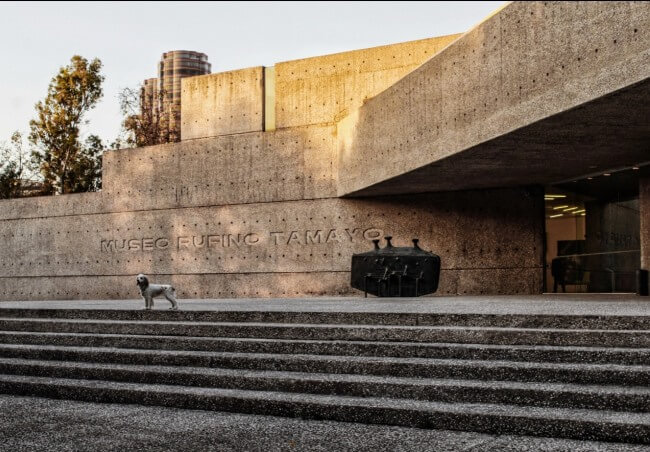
<point x="150" y="291"/>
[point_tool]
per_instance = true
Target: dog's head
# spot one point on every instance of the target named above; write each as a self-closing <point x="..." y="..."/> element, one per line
<point x="142" y="281"/>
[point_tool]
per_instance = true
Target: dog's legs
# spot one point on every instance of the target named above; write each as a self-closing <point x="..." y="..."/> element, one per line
<point x="169" y="294"/>
<point x="148" y="303"/>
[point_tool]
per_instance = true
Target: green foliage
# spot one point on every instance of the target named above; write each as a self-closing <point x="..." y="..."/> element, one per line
<point x="144" y="123"/>
<point x="86" y="175"/>
<point x="9" y="181"/>
<point x="16" y="175"/>
<point x="66" y="164"/>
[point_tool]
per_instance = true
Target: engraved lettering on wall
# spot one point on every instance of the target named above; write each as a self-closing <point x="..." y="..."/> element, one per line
<point x="189" y="242"/>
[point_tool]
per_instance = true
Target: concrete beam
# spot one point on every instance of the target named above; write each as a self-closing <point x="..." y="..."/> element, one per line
<point x="535" y="94"/>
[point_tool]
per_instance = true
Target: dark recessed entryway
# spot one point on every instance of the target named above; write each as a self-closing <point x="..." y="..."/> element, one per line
<point x="592" y="232"/>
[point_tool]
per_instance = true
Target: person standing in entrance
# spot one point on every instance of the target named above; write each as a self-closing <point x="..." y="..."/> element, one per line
<point x="558" y="271"/>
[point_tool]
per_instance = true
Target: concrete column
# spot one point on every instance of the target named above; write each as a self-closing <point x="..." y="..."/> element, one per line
<point x="644" y="214"/>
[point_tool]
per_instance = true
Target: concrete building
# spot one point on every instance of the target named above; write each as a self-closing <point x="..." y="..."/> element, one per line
<point x="173" y="66"/>
<point x="487" y="146"/>
<point x="149" y="96"/>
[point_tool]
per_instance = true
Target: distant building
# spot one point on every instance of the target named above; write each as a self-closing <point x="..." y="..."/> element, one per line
<point x="163" y="94"/>
<point x="149" y="98"/>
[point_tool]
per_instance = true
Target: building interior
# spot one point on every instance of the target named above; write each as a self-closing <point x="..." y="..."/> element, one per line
<point x="593" y="232"/>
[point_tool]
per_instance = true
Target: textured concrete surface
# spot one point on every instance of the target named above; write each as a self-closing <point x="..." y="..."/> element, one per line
<point x="435" y="128"/>
<point x="581" y="375"/>
<point x="575" y="376"/>
<point x="324" y="89"/>
<point x="244" y="168"/>
<point x="318" y="90"/>
<point x="554" y="304"/>
<point x="489" y="242"/>
<point x="543" y="394"/>
<point x="490" y="418"/>
<point x="30" y="424"/>
<point x="222" y="104"/>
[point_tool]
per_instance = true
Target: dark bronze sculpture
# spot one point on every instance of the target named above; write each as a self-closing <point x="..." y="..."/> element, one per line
<point x="396" y="271"/>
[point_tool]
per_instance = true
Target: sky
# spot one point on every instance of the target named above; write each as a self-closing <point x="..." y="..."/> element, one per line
<point x="129" y="38"/>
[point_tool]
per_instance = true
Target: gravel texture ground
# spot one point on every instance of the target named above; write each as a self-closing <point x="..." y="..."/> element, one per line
<point x="35" y="424"/>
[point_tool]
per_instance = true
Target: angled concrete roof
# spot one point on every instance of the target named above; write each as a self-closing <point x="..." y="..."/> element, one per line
<point x="538" y="93"/>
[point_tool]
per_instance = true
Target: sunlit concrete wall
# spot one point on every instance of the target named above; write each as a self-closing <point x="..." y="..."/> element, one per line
<point x="311" y="91"/>
<point x="222" y="103"/>
<point x="528" y="62"/>
<point x="324" y="89"/>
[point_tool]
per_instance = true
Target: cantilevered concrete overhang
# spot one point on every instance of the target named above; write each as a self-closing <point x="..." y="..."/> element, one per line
<point x="608" y="133"/>
<point x="539" y="93"/>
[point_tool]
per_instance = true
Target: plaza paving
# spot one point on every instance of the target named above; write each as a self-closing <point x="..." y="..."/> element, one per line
<point x="559" y="304"/>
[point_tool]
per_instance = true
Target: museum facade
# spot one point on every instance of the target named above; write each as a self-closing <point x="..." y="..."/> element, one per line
<point x="518" y="152"/>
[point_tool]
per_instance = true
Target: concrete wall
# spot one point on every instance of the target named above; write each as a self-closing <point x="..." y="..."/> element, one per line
<point x="489" y="242"/>
<point x="526" y="63"/>
<point x="254" y="214"/>
<point x="250" y="167"/>
<point x="319" y="90"/>
<point x="223" y="103"/>
<point x="325" y="89"/>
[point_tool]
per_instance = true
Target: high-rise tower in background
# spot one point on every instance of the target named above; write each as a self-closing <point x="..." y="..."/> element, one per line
<point x="149" y="98"/>
<point x="163" y="95"/>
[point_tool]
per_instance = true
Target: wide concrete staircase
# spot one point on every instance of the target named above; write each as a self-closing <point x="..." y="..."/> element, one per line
<point x="584" y="377"/>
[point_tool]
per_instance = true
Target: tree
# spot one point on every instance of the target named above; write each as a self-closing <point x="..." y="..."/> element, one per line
<point x="86" y="174"/>
<point x="144" y="125"/>
<point x="17" y="177"/>
<point x="60" y="155"/>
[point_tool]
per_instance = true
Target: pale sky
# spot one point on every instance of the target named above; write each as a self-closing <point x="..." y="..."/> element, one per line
<point x="129" y="38"/>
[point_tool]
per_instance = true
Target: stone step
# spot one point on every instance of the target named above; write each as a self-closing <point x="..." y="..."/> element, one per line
<point x="490" y="418"/>
<point x="614" y="398"/>
<point x="622" y="322"/>
<point x="610" y="374"/>
<point x="456" y="334"/>
<point x="527" y="353"/>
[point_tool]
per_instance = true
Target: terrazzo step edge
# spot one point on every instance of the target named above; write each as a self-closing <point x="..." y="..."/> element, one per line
<point x="373" y="318"/>
<point x="474" y="335"/>
<point x="488" y="418"/>
<point x="405" y="367"/>
<point x="615" y="398"/>
<point x="441" y="350"/>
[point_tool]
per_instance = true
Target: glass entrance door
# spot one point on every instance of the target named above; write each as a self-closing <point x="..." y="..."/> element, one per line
<point x="592" y="234"/>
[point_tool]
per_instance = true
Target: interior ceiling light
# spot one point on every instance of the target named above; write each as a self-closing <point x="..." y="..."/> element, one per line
<point x="579" y="211"/>
<point x="554" y="196"/>
<point x="556" y="215"/>
<point x="560" y="207"/>
<point x="589" y="178"/>
<point x="582" y="214"/>
<point x="606" y="174"/>
<point x="635" y="167"/>
<point x="569" y="209"/>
